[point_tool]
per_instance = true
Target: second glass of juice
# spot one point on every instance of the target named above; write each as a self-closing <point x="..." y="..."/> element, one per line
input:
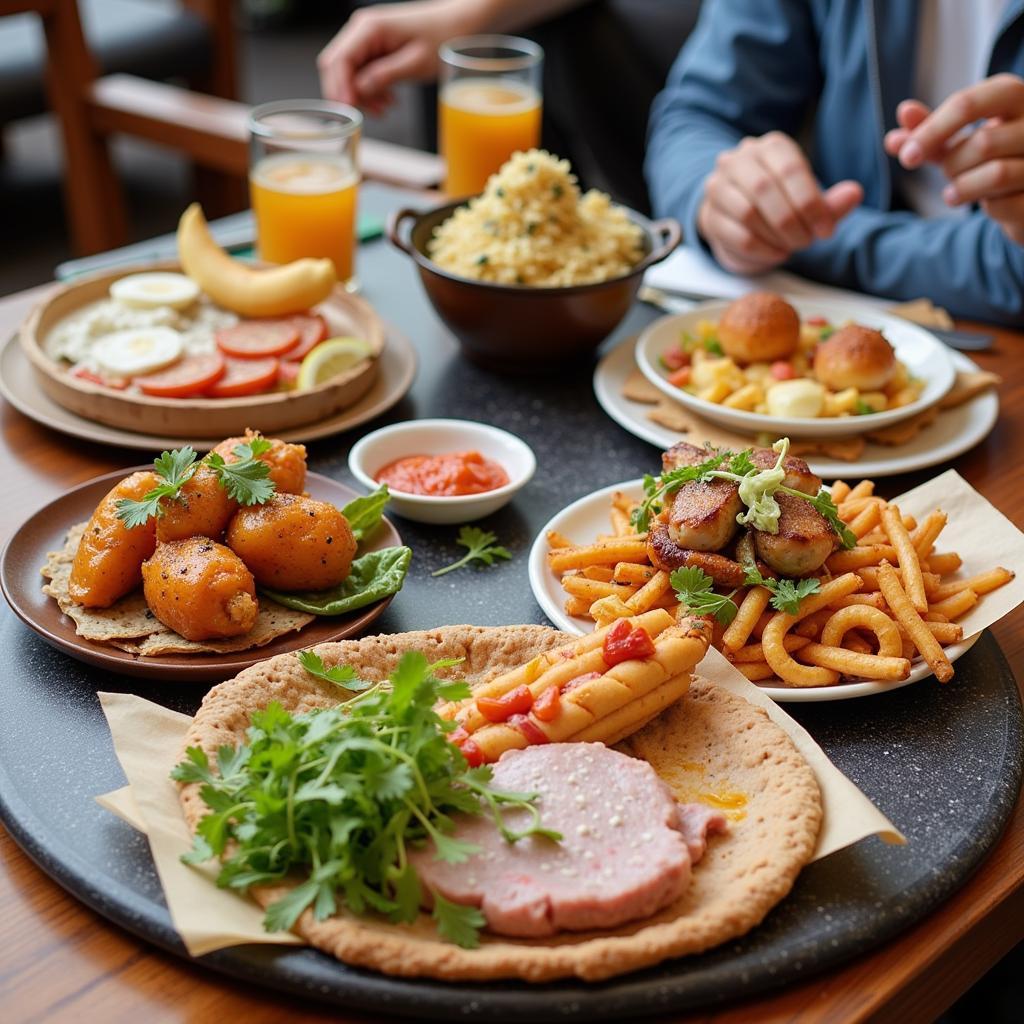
<point x="304" y="181"/>
<point x="489" y="106"/>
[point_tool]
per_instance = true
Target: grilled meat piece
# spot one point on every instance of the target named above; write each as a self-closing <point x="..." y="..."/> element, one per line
<point x="666" y="554"/>
<point x="798" y="473"/>
<point x="805" y="539"/>
<point x="703" y="515"/>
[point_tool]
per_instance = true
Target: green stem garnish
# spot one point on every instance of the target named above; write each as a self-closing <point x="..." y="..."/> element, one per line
<point x="482" y="548"/>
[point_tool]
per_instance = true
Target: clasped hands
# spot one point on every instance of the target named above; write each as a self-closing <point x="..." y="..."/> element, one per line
<point x="762" y="202"/>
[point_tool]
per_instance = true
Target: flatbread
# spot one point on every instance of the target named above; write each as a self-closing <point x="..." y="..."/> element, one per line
<point x="710" y="743"/>
<point x="129" y="624"/>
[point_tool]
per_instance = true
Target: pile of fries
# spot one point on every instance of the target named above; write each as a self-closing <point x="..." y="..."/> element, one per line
<point x="881" y="604"/>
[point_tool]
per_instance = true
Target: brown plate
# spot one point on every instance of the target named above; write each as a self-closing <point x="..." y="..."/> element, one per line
<point x="45" y="530"/>
<point x="272" y="412"/>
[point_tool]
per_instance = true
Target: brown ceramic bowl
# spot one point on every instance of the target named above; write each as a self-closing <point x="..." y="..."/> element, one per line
<point x="518" y="327"/>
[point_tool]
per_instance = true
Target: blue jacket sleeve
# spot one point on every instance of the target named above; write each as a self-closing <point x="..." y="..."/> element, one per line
<point x="750" y="67"/>
<point x="965" y="264"/>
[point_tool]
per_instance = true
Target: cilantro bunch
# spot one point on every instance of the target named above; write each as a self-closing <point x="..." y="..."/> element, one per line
<point x="757" y="490"/>
<point x="341" y="796"/>
<point x="246" y="479"/>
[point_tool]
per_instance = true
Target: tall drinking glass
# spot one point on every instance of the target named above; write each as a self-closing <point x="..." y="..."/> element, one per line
<point x="489" y="106"/>
<point x="304" y="181"/>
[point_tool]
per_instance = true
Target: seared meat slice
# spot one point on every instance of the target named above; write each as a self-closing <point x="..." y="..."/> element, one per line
<point x="798" y="473"/>
<point x="703" y="515"/>
<point x="803" y="542"/>
<point x="666" y="554"/>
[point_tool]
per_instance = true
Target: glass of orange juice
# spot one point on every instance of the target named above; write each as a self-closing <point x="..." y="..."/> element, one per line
<point x="304" y="181"/>
<point x="489" y="106"/>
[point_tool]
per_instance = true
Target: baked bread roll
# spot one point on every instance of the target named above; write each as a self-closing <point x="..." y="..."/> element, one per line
<point x="759" y="327"/>
<point x="855" y="357"/>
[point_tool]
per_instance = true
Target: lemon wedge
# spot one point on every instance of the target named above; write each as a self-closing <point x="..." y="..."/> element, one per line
<point x="330" y="359"/>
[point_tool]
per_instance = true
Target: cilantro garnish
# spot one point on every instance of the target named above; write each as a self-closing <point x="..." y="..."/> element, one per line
<point x="176" y="469"/>
<point x="862" y="408"/>
<point x="786" y="594"/>
<point x="246" y="480"/>
<point x="693" y="588"/>
<point x="757" y="490"/>
<point x="340" y="796"/>
<point x="482" y="548"/>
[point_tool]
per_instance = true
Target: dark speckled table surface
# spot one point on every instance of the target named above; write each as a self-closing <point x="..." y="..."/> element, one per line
<point x="943" y="762"/>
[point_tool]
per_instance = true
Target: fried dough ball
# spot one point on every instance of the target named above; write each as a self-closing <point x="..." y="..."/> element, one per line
<point x="855" y="357"/>
<point x="287" y="461"/>
<point x="202" y="509"/>
<point x="293" y="543"/>
<point x="759" y="327"/>
<point x="109" y="558"/>
<point x="200" y="589"/>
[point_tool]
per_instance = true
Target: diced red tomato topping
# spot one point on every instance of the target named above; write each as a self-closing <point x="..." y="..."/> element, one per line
<point x="624" y="642"/>
<point x="191" y="376"/>
<point x="674" y="357"/>
<point x="816" y="321"/>
<point x="255" y="339"/>
<point x="94" y="378"/>
<point x="312" y="330"/>
<point x="531" y="730"/>
<point x="500" y="709"/>
<point x="548" y="704"/>
<point x="472" y="753"/>
<point x="579" y="680"/>
<point x="783" y="370"/>
<point x="680" y="378"/>
<point x="245" y="377"/>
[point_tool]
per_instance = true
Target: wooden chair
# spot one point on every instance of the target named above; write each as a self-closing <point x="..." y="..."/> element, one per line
<point x="207" y="126"/>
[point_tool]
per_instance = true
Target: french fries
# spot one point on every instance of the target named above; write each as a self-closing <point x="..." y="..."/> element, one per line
<point x="889" y="599"/>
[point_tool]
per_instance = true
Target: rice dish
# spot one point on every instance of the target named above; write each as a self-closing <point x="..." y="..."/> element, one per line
<point x="531" y="226"/>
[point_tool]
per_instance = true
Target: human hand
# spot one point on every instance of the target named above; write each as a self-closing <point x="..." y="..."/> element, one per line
<point x="762" y="203"/>
<point x="382" y="45"/>
<point x="986" y="165"/>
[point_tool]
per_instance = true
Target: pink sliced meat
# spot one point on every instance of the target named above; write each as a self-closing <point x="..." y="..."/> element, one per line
<point x="625" y="851"/>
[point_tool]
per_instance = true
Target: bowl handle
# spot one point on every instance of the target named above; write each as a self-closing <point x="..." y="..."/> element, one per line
<point x="394" y="228"/>
<point x="667" y="234"/>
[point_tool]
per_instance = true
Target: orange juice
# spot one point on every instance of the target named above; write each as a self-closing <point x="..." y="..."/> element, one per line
<point x="482" y="122"/>
<point x="305" y="206"/>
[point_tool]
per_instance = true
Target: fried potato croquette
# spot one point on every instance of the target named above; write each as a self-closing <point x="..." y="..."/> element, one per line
<point x="200" y="589"/>
<point x="292" y="542"/>
<point x="202" y="509"/>
<point x="109" y="558"/>
<point x="287" y="461"/>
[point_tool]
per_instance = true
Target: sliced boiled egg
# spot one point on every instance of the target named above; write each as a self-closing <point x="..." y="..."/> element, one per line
<point x="148" y="291"/>
<point x="139" y="350"/>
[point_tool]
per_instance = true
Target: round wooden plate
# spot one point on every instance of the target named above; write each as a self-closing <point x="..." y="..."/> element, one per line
<point x="45" y="530"/>
<point x="205" y="417"/>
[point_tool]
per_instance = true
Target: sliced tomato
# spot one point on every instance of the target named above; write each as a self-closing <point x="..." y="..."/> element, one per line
<point x="534" y="734"/>
<point x="190" y="376"/>
<point x="547" y="706"/>
<point x="499" y="709"/>
<point x="287" y="374"/>
<point x="472" y="753"/>
<point x="680" y="378"/>
<point x="782" y="370"/>
<point x="256" y="339"/>
<point x="117" y="383"/>
<point x="624" y="642"/>
<point x="245" y="377"/>
<point x="312" y="330"/>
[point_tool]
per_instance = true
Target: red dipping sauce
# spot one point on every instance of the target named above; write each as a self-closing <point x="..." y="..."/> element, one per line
<point x="443" y="475"/>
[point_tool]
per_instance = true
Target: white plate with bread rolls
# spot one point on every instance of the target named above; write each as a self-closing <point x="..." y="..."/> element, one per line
<point x="795" y="367"/>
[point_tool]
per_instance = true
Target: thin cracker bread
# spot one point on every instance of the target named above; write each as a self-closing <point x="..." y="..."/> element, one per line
<point x="709" y="741"/>
<point x="129" y="624"/>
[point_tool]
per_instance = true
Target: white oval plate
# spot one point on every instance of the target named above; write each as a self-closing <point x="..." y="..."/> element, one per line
<point x="923" y="354"/>
<point x="953" y="433"/>
<point x="587" y="517"/>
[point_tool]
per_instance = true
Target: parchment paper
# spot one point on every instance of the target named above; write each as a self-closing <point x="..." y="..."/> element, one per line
<point x="149" y="739"/>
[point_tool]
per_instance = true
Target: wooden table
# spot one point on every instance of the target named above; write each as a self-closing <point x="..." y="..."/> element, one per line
<point x="62" y="962"/>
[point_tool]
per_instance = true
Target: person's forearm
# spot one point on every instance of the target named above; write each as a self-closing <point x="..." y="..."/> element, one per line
<point x="516" y="15"/>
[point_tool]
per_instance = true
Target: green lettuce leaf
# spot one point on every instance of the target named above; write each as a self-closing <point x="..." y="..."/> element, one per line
<point x="373" y="576"/>
<point x="364" y="513"/>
